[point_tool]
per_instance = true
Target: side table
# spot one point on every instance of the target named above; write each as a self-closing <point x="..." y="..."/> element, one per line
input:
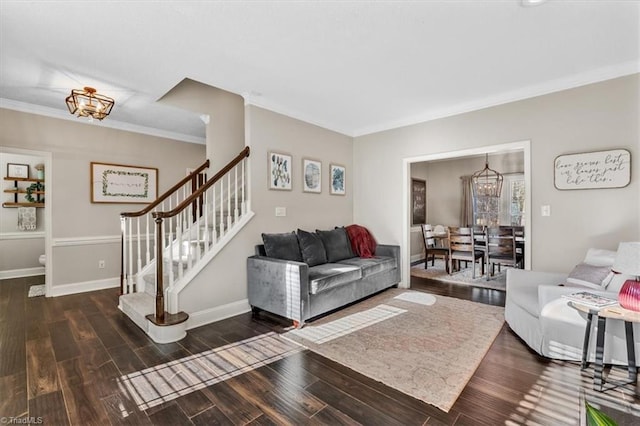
<point x="602" y="314"/>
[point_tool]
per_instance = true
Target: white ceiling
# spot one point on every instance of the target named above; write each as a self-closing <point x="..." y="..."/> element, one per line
<point x="352" y="66"/>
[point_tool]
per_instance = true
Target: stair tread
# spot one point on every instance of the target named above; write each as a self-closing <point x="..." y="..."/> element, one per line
<point x="140" y="302"/>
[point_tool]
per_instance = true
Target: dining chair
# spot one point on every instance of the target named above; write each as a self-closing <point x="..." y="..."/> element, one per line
<point x="433" y="250"/>
<point x="502" y="247"/>
<point x="462" y="247"/>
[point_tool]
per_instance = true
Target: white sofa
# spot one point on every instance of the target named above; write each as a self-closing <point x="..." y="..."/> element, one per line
<point x="536" y="311"/>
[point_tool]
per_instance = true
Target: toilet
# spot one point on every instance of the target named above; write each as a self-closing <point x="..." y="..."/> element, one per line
<point x="42" y="259"/>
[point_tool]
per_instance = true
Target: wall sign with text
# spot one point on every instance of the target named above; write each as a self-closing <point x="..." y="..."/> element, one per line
<point x="592" y="170"/>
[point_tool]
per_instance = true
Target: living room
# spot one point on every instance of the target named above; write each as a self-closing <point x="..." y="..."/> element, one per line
<point x="588" y="113"/>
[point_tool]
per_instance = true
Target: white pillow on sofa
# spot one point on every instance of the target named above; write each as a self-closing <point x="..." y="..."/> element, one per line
<point x="591" y="276"/>
<point x="600" y="257"/>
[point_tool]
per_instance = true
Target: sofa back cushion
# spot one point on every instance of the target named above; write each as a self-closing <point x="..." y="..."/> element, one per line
<point x="311" y="247"/>
<point x="282" y="246"/>
<point x="336" y="244"/>
<point x="600" y="257"/>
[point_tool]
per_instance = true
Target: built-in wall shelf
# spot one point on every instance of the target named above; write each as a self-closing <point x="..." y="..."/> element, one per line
<point x="13" y="205"/>
<point x="19" y="189"/>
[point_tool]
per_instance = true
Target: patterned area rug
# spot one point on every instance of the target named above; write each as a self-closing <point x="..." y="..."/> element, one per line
<point x="423" y="345"/>
<point x="438" y="273"/>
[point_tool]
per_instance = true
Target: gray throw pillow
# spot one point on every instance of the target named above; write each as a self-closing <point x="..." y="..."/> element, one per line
<point x="313" y="252"/>
<point x="591" y="276"/>
<point x="282" y="246"/>
<point x="336" y="244"/>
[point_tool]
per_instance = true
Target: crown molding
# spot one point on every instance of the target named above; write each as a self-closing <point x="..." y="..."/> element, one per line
<point x="582" y="79"/>
<point x="113" y="124"/>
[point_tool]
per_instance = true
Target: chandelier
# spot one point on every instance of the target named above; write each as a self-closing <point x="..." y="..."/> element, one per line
<point x="88" y="103"/>
<point x="486" y="182"/>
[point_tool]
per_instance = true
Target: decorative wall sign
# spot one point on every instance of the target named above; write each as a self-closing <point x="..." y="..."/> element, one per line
<point x="418" y="201"/>
<point x="279" y="171"/>
<point x="337" y="183"/>
<point x="311" y="176"/>
<point x="591" y="170"/>
<point x="20" y="171"/>
<point x="115" y="183"/>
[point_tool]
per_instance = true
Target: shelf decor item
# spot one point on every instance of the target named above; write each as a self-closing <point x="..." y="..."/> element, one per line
<point x="39" y="171"/>
<point x="35" y="188"/>
<point x="20" y="171"/>
<point x="628" y="262"/>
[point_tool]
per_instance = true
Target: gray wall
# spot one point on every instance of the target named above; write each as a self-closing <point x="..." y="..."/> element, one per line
<point x="594" y="117"/>
<point x="224" y="280"/>
<point x="82" y="232"/>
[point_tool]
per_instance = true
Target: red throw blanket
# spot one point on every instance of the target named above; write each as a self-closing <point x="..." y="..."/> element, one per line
<point x="362" y="242"/>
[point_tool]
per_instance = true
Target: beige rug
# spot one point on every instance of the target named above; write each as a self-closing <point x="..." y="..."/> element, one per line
<point x="423" y="345"/>
<point x="464" y="276"/>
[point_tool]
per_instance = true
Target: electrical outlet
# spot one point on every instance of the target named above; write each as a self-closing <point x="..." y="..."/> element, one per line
<point x="281" y="211"/>
<point x="101" y="264"/>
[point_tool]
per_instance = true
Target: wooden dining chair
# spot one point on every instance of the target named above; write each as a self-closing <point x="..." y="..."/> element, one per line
<point x="433" y="250"/>
<point x="462" y="247"/>
<point x="502" y="247"/>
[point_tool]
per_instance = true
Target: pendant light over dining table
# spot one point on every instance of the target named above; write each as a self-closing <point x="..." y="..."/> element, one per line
<point x="88" y="103"/>
<point x="487" y="187"/>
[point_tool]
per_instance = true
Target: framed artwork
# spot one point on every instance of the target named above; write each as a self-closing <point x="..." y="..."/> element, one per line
<point x="593" y="170"/>
<point x="116" y="183"/>
<point x="418" y="201"/>
<point x="280" y="171"/>
<point x="20" y="171"/>
<point x="311" y="176"/>
<point x="337" y="182"/>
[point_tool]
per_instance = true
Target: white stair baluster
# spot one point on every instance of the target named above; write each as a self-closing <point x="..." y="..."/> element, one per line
<point x="148" y="252"/>
<point x="138" y="238"/>
<point x="228" y="201"/>
<point x="235" y="193"/>
<point x="125" y="276"/>
<point x="214" y="232"/>
<point x="130" y="258"/>
<point x="197" y="246"/>
<point x="221" y="209"/>
<point x="244" y="204"/>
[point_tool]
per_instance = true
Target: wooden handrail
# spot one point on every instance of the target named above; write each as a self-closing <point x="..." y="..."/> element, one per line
<point x="194" y="196"/>
<point x="166" y="195"/>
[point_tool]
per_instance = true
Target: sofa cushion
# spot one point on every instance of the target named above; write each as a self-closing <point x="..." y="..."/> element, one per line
<point x="371" y="265"/>
<point x="330" y="275"/>
<point x="336" y="244"/>
<point x="282" y="246"/>
<point x="311" y="247"/>
<point x="590" y="276"/>
<point x="526" y="297"/>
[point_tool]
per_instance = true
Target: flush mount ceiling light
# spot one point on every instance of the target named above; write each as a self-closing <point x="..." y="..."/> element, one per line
<point x="531" y="2"/>
<point x="88" y="103"/>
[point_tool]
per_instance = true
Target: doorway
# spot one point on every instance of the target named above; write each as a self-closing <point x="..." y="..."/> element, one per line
<point x="523" y="146"/>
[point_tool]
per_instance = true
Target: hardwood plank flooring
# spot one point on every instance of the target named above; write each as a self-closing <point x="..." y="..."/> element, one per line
<point x="62" y="359"/>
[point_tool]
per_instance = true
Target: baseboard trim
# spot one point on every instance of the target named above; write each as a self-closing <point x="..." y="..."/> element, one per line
<point x="19" y="273"/>
<point x="417" y="258"/>
<point x="217" y="313"/>
<point x="82" y="287"/>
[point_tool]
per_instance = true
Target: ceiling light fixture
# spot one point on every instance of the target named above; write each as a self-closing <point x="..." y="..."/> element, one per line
<point x="487" y="182"/>
<point x="88" y="103"/>
<point x="527" y="3"/>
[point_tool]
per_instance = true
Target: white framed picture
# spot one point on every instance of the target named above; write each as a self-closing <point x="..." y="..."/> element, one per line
<point x="311" y="175"/>
<point x="280" y="173"/>
<point x="337" y="179"/>
<point x="117" y="183"/>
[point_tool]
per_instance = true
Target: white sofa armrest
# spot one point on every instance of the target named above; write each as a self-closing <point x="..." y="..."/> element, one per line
<point x="547" y="293"/>
<point x="520" y="277"/>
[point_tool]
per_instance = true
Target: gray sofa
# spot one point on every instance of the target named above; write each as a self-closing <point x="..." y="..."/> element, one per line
<point x="303" y="275"/>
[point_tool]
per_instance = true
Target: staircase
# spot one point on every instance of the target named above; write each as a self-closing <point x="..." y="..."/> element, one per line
<point x="185" y="228"/>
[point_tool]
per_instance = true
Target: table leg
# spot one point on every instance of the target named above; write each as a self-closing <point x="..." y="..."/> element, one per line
<point x="631" y="351"/>
<point x="598" y="381"/>
<point x="585" y="346"/>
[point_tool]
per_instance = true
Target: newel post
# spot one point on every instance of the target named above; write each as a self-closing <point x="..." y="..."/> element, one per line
<point x="159" y="272"/>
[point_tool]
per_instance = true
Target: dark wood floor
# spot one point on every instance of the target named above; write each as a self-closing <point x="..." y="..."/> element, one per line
<point x="60" y="359"/>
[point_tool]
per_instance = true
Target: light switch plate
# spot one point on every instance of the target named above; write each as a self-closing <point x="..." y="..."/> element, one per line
<point x="545" y="210"/>
<point x="281" y="211"/>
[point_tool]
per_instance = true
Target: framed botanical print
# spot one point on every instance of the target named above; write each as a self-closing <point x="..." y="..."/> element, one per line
<point x="337" y="183"/>
<point x="20" y="171"/>
<point x="311" y="175"/>
<point x="117" y="183"/>
<point x="280" y="173"/>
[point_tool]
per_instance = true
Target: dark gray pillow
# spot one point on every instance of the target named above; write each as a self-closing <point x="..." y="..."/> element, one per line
<point x="282" y="246"/>
<point x="313" y="252"/>
<point x="336" y="244"/>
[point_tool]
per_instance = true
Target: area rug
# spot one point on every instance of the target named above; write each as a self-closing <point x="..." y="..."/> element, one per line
<point x="37" y="290"/>
<point x="464" y="276"/>
<point x="424" y="345"/>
